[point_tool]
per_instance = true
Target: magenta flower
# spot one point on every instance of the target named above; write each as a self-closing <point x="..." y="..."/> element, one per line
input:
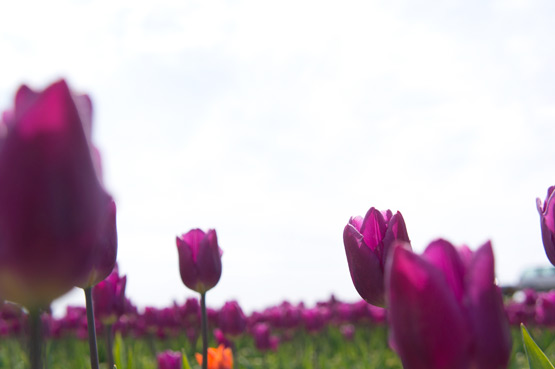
<point x="231" y="319"/>
<point x="547" y="222"/>
<point x="200" y="261"/>
<point x="263" y="340"/>
<point x="445" y="313"/>
<point x="170" y="360"/>
<point x="367" y="243"/>
<point x="53" y="208"/>
<point x="109" y="298"/>
<point x="103" y="259"/>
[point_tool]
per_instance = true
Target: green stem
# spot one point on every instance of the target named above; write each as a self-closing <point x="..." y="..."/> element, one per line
<point x="109" y="345"/>
<point x="35" y="344"/>
<point x="204" y="329"/>
<point x="93" y="348"/>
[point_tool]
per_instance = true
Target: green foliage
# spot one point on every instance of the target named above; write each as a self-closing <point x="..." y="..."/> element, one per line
<point x="324" y="350"/>
<point x="536" y="358"/>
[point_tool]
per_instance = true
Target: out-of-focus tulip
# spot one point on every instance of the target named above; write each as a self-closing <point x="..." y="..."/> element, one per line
<point x="367" y="243"/>
<point x="231" y="319"/>
<point x="105" y="253"/>
<point x="170" y="360"/>
<point x="200" y="261"/>
<point x="109" y="298"/>
<point x="218" y="358"/>
<point x="545" y="309"/>
<point x="53" y="208"/>
<point x="348" y="331"/>
<point x="547" y="222"/>
<point x="444" y="314"/>
<point x="263" y="340"/>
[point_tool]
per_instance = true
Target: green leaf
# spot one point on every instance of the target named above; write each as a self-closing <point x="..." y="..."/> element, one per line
<point x="118" y="351"/>
<point x="185" y="361"/>
<point x="536" y="357"/>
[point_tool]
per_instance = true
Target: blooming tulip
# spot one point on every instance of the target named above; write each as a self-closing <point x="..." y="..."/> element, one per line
<point x="367" y="243"/>
<point x="263" y="340"/>
<point x="445" y="314"/>
<point x="200" y="261"/>
<point x="170" y="360"/>
<point x="220" y="358"/>
<point x="53" y="208"/>
<point x="547" y="222"/>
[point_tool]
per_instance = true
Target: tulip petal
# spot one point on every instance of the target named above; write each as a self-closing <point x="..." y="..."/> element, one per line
<point x="428" y="325"/>
<point x="365" y="267"/>
<point x="373" y="230"/>
<point x="492" y="335"/>
<point x="443" y="255"/>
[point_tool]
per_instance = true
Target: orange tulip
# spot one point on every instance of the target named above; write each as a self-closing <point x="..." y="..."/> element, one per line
<point x="218" y="358"/>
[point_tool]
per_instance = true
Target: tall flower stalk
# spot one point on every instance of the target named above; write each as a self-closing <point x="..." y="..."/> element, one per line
<point x="200" y="266"/>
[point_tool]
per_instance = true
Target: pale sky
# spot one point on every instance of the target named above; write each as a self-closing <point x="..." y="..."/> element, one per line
<point x="274" y="122"/>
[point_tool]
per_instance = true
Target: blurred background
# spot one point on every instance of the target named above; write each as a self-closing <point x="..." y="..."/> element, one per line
<point x="275" y="121"/>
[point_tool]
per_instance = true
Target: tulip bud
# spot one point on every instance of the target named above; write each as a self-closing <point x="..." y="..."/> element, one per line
<point x="200" y="261"/>
<point x="547" y="222"/>
<point x="53" y="208"/>
<point x="170" y="360"/>
<point x="367" y="243"/>
<point x="231" y="319"/>
<point x="109" y="298"/>
<point x="444" y="313"/>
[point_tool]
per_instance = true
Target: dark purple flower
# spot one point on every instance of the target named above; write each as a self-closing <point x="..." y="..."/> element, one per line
<point x="367" y="242"/>
<point x="170" y="360"/>
<point x="547" y="222"/>
<point x="231" y="319"/>
<point x="53" y="208"/>
<point x="200" y="262"/>
<point x="263" y="340"/>
<point x="444" y="314"/>
<point x="109" y="298"/>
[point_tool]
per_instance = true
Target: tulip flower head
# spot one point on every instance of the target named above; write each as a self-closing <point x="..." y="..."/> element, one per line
<point x="445" y="314"/>
<point x="54" y="211"/>
<point x="200" y="261"/>
<point x="170" y="360"/>
<point x="109" y="298"/>
<point x="231" y="319"/>
<point x="218" y="358"/>
<point x="367" y="243"/>
<point x="547" y="222"/>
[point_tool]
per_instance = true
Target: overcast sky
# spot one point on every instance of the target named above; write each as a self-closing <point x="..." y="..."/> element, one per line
<point x="274" y="122"/>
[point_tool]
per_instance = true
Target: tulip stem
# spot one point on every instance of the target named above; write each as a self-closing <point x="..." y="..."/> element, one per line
<point x="35" y="344"/>
<point x="93" y="348"/>
<point x="109" y="344"/>
<point x="204" y="331"/>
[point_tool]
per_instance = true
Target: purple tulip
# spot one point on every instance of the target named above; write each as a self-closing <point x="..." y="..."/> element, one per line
<point x="231" y="319"/>
<point x="170" y="360"/>
<point x="263" y="340"/>
<point x="53" y="208"/>
<point x="445" y="314"/>
<point x="109" y="298"/>
<point x="547" y="222"/>
<point x="367" y="243"/>
<point x="200" y="261"/>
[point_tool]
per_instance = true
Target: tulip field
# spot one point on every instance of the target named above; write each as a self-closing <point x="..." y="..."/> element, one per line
<point x="332" y="334"/>
<point x="440" y="309"/>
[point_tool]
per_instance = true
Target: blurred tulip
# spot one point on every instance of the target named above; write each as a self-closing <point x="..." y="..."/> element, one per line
<point x="53" y="209"/>
<point x="232" y="320"/>
<point x="547" y="222"/>
<point x="263" y="340"/>
<point x="367" y="242"/>
<point x="105" y="253"/>
<point x="218" y="358"/>
<point x="170" y="360"/>
<point x="443" y="314"/>
<point x="200" y="261"/>
<point x="109" y="298"/>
